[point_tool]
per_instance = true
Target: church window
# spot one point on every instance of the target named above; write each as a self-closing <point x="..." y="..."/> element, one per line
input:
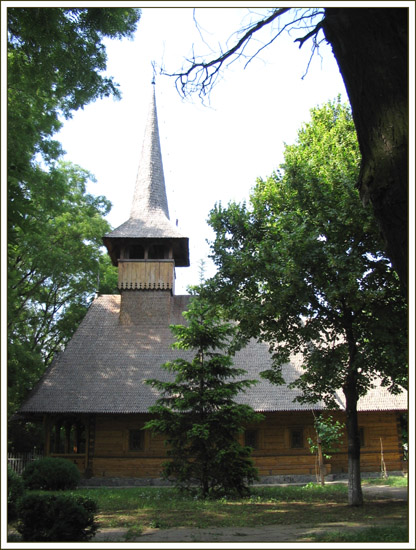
<point x="136" y="440"/>
<point x="58" y="439"/>
<point x="296" y="438"/>
<point x="67" y="437"/>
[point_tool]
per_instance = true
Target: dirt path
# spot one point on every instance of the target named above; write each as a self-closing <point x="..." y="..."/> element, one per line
<point x="268" y="533"/>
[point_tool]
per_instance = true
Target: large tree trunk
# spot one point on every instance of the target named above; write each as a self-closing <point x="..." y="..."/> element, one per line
<point x="371" y="49"/>
<point x="355" y="495"/>
<point x="350" y="389"/>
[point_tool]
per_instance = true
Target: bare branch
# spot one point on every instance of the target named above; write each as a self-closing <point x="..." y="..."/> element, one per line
<point x="313" y="32"/>
<point x="209" y="77"/>
<point x="202" y="75"/>
<point x="199" y="29"/>
<point x="284" y="28"/>
<point x="315" y="48"/>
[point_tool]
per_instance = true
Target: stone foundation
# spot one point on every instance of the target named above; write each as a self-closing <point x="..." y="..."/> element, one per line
<point x="264" y="480"/>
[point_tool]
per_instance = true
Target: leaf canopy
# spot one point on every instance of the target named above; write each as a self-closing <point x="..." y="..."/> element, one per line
<point x="303" y="268"/>
<point x="56" y="60"/>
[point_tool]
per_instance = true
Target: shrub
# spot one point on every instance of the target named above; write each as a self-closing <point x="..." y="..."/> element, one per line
<point x="51" y="474"/>
<point x="56" y="518"/>
<point x="15" y="490"/>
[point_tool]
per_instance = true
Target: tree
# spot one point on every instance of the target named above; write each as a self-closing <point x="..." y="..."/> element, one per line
<point x="328" y="438"/>
<point x="55" y="66"/>
<point x="371" y="49"/>
<point x="54" y="271"/>
<point x="56" y="63"/>
<point x="303" y="268"/>
<point x="196" y="411"/>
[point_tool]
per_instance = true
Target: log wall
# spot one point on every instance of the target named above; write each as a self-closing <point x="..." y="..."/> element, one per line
<point x="281" y="441"/>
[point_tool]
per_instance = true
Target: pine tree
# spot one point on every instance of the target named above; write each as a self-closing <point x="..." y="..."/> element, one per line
<point x="197" y="412"/>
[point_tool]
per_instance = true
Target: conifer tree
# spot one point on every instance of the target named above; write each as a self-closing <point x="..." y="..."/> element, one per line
<point x="197" y="412"/>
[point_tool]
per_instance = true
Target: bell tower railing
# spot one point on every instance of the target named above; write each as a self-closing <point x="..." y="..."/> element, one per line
<point x="146" y="274"/>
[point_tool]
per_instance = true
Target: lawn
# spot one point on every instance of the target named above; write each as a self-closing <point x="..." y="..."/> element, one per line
<point x="139" y="507"/>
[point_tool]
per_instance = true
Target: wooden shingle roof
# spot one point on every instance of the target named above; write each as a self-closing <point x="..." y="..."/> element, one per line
<point x="149" y="215"/>
<point x="104" y="367"/>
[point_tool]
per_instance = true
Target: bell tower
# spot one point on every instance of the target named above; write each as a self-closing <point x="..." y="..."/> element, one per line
<point x="148" y="247"/>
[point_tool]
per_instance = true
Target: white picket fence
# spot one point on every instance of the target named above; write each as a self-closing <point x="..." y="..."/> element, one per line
<point x="19" y="461"/>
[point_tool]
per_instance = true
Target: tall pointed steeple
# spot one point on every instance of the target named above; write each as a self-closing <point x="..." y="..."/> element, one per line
<point x="150" y="191"/>
<point x="149" y="234"/>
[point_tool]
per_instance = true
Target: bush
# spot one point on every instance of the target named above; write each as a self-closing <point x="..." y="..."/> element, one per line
<point x="51" y="474"/>
<point x="15" y="490"/>
<point x="56" y="518"/>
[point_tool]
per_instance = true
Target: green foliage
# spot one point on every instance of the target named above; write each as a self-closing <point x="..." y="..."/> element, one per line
<point x="15" y="490"/>
<point x="56" y="64"/>
<point x="54" y="266"/>
<point x="392" y="533"/>
<point x="24" y="436"/>
<point x="56" y="61"/>
<point x="329" y="431"/>
<point x="303" y="267"/>
<point x="107" y="276"/>
<point x="404" y="429"/>
<point x="391" y="481"/>
<point x="197" y="412"/>
<point x="133" y="532"/>
<point x="51" y="474"/>
<point x="56" y="518"/>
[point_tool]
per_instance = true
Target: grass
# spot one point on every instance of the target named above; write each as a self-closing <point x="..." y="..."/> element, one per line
<point x="393" y="533"/>
<point x="137" y="508"/>
<point x="392" y="481"/>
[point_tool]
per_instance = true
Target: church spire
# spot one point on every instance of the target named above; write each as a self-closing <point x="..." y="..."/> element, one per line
<point x="149" y="228"/>
<point x="150" y="191"/>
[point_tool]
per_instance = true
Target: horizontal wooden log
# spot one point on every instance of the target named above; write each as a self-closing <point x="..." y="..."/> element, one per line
<point x="274" y="456"/>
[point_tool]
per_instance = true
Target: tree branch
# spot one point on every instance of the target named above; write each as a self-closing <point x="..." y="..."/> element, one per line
<point x="210" y="77"/>
<point x="313" y="32"/>
<point x="202" y="75"/>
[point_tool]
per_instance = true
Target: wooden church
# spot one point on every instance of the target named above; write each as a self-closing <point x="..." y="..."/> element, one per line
<point x="93" y="399"/>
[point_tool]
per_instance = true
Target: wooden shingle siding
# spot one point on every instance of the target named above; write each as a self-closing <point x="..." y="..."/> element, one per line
<point x="124" y="339"/>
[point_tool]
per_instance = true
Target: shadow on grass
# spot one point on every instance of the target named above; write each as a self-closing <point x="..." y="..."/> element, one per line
<point x="238" y="514"/>
<point x="393" y="533"/>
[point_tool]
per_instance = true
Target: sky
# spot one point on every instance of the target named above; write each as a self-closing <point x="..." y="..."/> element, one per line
<point x="212" y="152"/>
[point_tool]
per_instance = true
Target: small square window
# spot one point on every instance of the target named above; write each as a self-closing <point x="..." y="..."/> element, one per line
<point x="296" y="438"/>
<point x="136" y="440"/>
<point x="251" y="439"/>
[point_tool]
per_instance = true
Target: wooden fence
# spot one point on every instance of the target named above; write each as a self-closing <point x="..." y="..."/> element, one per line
<point x="19" y="461"/>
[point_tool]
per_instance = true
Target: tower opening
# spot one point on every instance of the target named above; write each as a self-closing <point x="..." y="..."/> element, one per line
<point x="136" y="252"/>
<point x="157" y="252"/>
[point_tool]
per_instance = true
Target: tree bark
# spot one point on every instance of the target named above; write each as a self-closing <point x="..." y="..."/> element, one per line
<point x="350" y="389"/>
<point x="321" y="461"/>
<point x="371" y="49"/>
<point x="355" y="495"/>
